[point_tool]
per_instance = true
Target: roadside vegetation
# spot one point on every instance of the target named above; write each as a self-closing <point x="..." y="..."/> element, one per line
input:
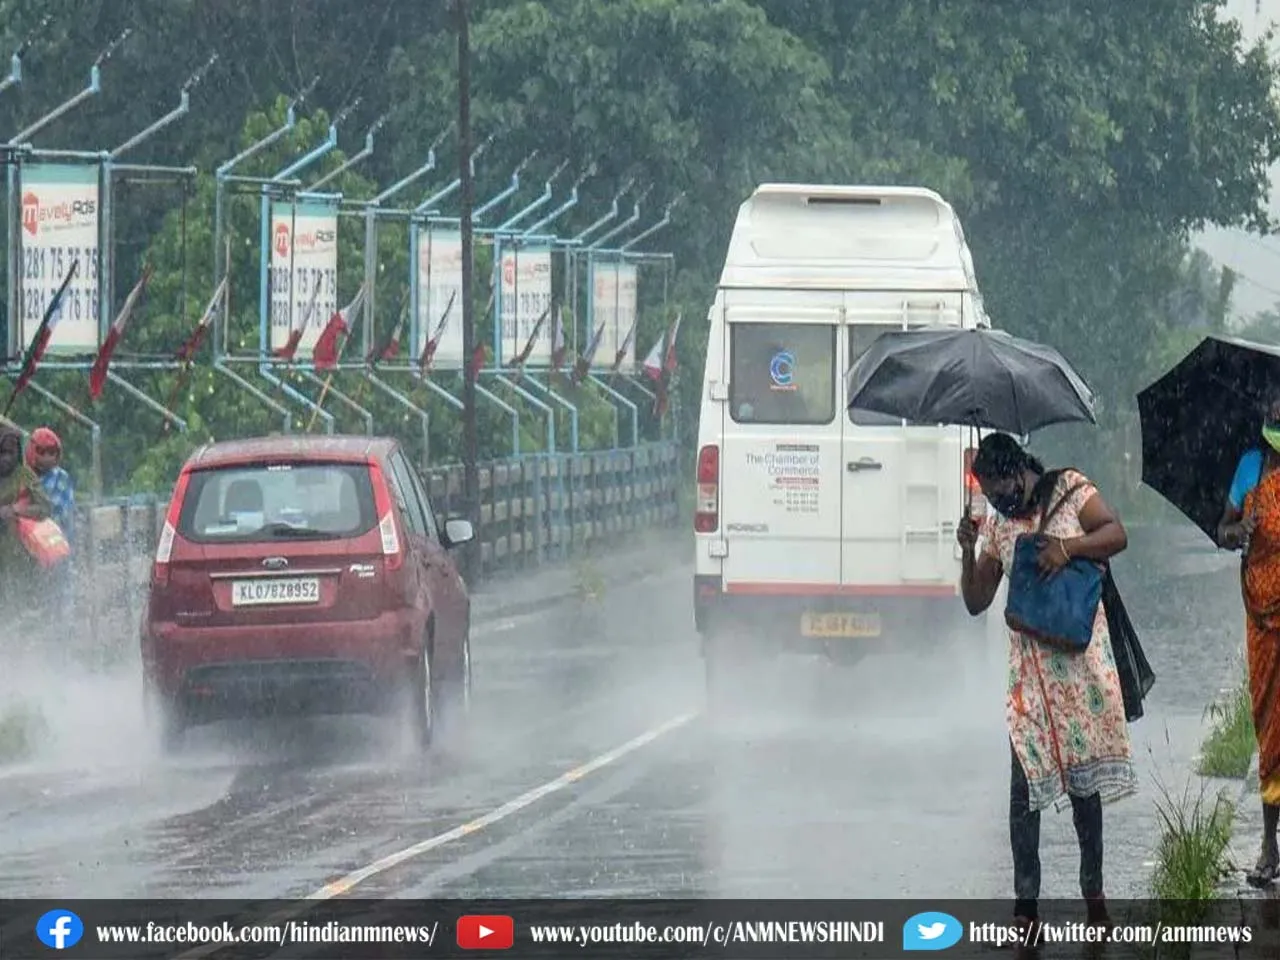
<point x="589" y="582"/>
<point x="1192" y="857"/>
<point x="1228" y="749"/>
<point x="22" y="728"/>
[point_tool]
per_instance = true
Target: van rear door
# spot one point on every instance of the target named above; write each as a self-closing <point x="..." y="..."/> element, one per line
<point x="780" y="458"/>
<point x="903" y="484"/>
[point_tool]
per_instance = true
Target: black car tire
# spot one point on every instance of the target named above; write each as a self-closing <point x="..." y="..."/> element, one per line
<point x="166" y="720"/>
<point x="420" y="700"/>
<point x="453" y="696"/>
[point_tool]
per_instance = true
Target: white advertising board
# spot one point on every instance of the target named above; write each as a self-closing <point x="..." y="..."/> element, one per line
<point x="304" y="271"/>
<point x="625" y="315"/>
<point x="613" y="303"/>
<point x="59" y="227"/>
<point x="526" y="294"/>
<point x="439" y="281"/>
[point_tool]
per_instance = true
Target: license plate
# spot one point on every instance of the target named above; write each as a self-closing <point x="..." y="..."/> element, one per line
<point x="843" y="625"/>
<point x="250" y="593"/>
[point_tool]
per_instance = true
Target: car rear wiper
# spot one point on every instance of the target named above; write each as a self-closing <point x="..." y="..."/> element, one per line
<point x="289" y="530"/>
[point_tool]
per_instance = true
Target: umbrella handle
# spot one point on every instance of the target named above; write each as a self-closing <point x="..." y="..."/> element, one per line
<point x="968" y="489"/>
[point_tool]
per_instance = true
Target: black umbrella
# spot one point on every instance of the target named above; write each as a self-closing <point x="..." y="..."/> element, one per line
<point x="1200" y="417"/>
<point x="977" y="378"/>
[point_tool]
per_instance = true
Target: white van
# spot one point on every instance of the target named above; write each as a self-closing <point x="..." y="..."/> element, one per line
<point x="816" y="525"/>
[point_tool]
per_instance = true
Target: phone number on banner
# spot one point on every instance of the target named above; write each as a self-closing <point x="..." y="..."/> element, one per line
<point x="306" y="279"/>
<point x="44" y="269"/>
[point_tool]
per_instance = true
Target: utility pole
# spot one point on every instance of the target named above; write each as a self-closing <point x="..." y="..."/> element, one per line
<point x="470" y="442"/>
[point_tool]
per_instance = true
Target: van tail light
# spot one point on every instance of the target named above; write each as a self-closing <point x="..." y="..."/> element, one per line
<point x="706" y="517"/>
<point x="164" y="548"/>
<point x="386" y="518"/>
<point x="973" y="489"/>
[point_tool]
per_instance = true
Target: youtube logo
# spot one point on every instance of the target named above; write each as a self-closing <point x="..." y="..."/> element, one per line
<point x="477" y="932"/>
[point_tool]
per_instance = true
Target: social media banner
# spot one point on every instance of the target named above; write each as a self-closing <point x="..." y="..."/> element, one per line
<point x="732" y="929"/>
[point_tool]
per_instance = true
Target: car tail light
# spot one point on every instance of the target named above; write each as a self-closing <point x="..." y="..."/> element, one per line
<point x="164" y="548"/>
<point x="386" y="518"/>
<point x="978" y="501"/>
<point x="706" y="517"/>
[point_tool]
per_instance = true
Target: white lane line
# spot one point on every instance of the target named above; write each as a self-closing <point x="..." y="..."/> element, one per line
<point x="342" y="885"/>
<point x="501" y="626"/>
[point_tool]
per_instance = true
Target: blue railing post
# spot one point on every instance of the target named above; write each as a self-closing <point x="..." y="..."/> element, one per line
<point x="222" y="176"/>
<point x="534" y="402"/>
<point x="371" y="245"/>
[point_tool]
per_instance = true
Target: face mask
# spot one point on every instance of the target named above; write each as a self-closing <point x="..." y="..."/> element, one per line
<point x="1271" y="434"/>
<point x="1009" y="504"/>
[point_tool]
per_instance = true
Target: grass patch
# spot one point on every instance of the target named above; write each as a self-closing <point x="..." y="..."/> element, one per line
<point x="1228" y="749"/>
<point x="589" y="582"/>
<point x="1192" y="859"/>
<point x="22" y="728"/>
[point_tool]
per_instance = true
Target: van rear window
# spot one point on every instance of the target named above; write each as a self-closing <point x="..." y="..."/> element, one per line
<point x="782" y="373"/>
<point x="279" y="501"/>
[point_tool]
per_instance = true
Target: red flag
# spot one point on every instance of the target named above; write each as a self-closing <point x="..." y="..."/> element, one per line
<point x="44" y="333"/>
<point x="433" y="341"/>
<point x="389" y="348"/>
<point x="670" y="365"/>
<point x="188" y="350"/>
<point x="325" y="353"/>
<point x="652" y="363"/>
<point x="623" y="350"/>
<point x="660" y="401"/>
<point x="295" y="333"/>
<point x="98" y="375"/>
<point x="520" y="359"/>
<point x="478" y="357"/>
<point x="662" y="355"/>
<point x="583" y="366"/>
<point x="559" y="345"/>
<point x="392" y="347"/>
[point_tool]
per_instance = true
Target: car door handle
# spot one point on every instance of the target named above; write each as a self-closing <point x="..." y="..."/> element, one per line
<point x="865" y="463"/>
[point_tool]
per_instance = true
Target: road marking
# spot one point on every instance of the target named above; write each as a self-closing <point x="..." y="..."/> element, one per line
<point x="342" y="885"/>
<point x="501" y="626"/>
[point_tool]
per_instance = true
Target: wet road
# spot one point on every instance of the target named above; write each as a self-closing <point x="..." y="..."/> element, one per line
<point x="888" y="777"/>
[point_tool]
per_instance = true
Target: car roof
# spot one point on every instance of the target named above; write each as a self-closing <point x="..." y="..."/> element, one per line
<point x="329" y="448"/>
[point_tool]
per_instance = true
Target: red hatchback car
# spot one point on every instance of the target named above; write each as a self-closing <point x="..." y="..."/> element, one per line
<point x="305" y="575"/>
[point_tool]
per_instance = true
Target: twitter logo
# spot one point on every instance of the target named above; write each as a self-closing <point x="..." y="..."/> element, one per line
<point x="931" y="931"/>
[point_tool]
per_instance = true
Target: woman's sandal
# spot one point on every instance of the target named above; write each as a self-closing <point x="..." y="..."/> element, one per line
<point x="1263" y="875"/>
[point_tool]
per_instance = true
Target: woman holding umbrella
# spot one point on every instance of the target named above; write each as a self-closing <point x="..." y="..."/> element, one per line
<point x="1065" y="711"/>
<point x="1214" y="412"/>
<point x="1251" y="523"/>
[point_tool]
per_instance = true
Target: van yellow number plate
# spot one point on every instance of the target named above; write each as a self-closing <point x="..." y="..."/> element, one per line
<point x="844" y="625"/>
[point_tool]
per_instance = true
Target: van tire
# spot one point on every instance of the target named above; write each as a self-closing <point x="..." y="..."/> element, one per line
<point x="726" y="675"/>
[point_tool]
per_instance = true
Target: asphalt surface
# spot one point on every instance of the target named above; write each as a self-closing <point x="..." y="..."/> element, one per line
<point x="887" y="777"/>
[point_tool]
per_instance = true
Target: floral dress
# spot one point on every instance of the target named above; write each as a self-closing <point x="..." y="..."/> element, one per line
<point x="1064" y="710"/>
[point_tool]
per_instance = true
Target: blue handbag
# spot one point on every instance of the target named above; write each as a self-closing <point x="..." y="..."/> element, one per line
<point x="1060" y="609"/>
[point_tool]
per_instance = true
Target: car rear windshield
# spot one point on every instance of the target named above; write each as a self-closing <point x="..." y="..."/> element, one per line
<point x="278" y="501"/>
<point x="782" y="373"/>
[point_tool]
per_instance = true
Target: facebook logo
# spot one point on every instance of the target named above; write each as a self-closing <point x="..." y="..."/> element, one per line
<point x="59" y="929"/>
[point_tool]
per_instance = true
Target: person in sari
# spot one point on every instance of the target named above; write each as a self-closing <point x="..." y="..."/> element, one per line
<point x="1251" y="524"/>
<point x="21" y="495"/>
<point x="1065" y="714"/>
